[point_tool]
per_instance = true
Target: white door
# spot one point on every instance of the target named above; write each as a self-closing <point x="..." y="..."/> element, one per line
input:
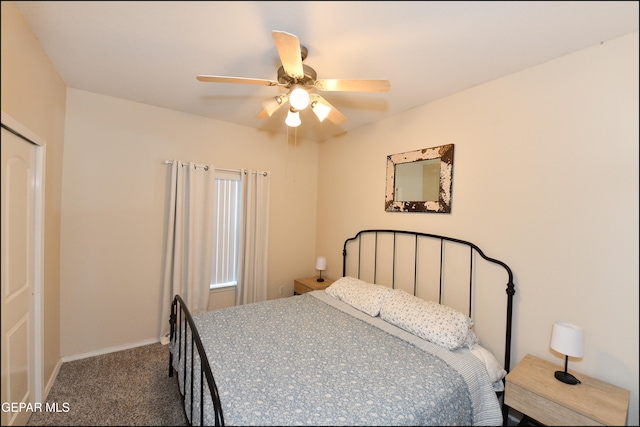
<point x="18" y="257"/>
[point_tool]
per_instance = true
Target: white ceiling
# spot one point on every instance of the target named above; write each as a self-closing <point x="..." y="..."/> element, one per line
<point x="151" y="51"/>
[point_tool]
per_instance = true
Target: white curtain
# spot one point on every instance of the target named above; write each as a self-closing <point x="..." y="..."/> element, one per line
<point x="254" y="238"/>
<point x="187" y="265"/>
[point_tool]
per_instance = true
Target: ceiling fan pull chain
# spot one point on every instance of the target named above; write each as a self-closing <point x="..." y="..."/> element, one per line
<point x="295" y="153"/>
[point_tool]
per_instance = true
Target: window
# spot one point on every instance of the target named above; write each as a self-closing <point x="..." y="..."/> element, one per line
<point x="226" y="229"/>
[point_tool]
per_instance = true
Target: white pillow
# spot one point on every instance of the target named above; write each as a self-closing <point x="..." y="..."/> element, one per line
<point x="431" y="321"/>
<point x="494" y="368"/>
<point x="472" y="338"/>
<point x="362" y="295"/>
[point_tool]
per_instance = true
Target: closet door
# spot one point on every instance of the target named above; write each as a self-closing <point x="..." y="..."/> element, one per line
<point x="18" y="242"/>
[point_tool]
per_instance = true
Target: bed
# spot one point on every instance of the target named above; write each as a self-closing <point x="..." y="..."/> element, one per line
<point x="407" y="336"/>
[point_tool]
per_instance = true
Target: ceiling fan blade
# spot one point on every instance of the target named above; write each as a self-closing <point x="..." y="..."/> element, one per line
<point x="288" y="47"/>
<point x="342" y="85"/>
<point x="241" y="80"/>
<point x="334" y="115"/>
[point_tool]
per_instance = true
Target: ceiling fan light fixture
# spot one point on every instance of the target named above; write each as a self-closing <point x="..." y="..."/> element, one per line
<point x="320" y="110"/>
<point x="298" y="97"/>
<point x="293" y="118"/>
<point x="272" y="104"/>
<point x="300" y="83"/>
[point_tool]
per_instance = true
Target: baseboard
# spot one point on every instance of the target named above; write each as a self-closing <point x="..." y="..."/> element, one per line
<point x="109" y="350"/>
<point x="52" y="379"/>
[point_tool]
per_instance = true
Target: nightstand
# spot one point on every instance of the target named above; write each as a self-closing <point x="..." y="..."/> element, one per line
<point x="532" y="389"/>
<point x="308" y="284"/>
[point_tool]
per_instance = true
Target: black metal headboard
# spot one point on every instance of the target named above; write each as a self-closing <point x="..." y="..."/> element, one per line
<point x="369" y="245"/>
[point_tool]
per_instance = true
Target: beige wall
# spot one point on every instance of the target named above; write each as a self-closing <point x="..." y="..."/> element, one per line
<point x="34" y="95"/>
<point x="545" y="178"/>
<point x="114" y="212"/>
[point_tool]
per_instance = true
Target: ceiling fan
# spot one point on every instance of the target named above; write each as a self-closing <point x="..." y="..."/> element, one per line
<point x="302" y="82"/>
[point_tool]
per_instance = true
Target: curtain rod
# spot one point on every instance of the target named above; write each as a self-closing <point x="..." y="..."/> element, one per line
<point x="170" y="162"/>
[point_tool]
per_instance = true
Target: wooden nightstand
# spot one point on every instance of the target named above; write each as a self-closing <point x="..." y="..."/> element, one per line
<point x="532" y="389"/>
<point x="308" y="284"/>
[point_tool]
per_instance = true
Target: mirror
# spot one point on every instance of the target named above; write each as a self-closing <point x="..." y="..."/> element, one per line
<point x="420" y="180"/>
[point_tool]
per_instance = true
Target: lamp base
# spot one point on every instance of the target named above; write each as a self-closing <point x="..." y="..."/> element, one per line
<point x="320" y="279"/>
<point x="566" y="378"/>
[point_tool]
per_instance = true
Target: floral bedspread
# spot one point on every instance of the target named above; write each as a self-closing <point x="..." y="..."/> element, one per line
<point x="313" y="360"/>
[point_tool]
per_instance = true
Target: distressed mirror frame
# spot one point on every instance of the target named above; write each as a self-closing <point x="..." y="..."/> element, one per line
<point x="443" y="204"/>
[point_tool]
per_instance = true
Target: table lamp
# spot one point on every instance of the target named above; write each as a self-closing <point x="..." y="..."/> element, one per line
<point x="321" y="264"/>
<point x="568" y="339"/>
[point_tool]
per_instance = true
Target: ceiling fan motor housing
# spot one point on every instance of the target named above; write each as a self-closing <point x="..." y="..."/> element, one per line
<point x="310" y="76"/>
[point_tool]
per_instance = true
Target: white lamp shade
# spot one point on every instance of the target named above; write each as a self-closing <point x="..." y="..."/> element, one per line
<point x="293" y="118"/>
<point x="321" y="111"/>
<point x="568" y="339"/>
<point x="321" y="263"/>
<point x="272" y="104"/>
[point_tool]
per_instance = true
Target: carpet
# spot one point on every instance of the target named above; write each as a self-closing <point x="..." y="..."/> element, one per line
<point x="125" y="388"/>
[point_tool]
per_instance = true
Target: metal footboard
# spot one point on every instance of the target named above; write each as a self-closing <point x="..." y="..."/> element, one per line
<point x="185" y="340"/>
